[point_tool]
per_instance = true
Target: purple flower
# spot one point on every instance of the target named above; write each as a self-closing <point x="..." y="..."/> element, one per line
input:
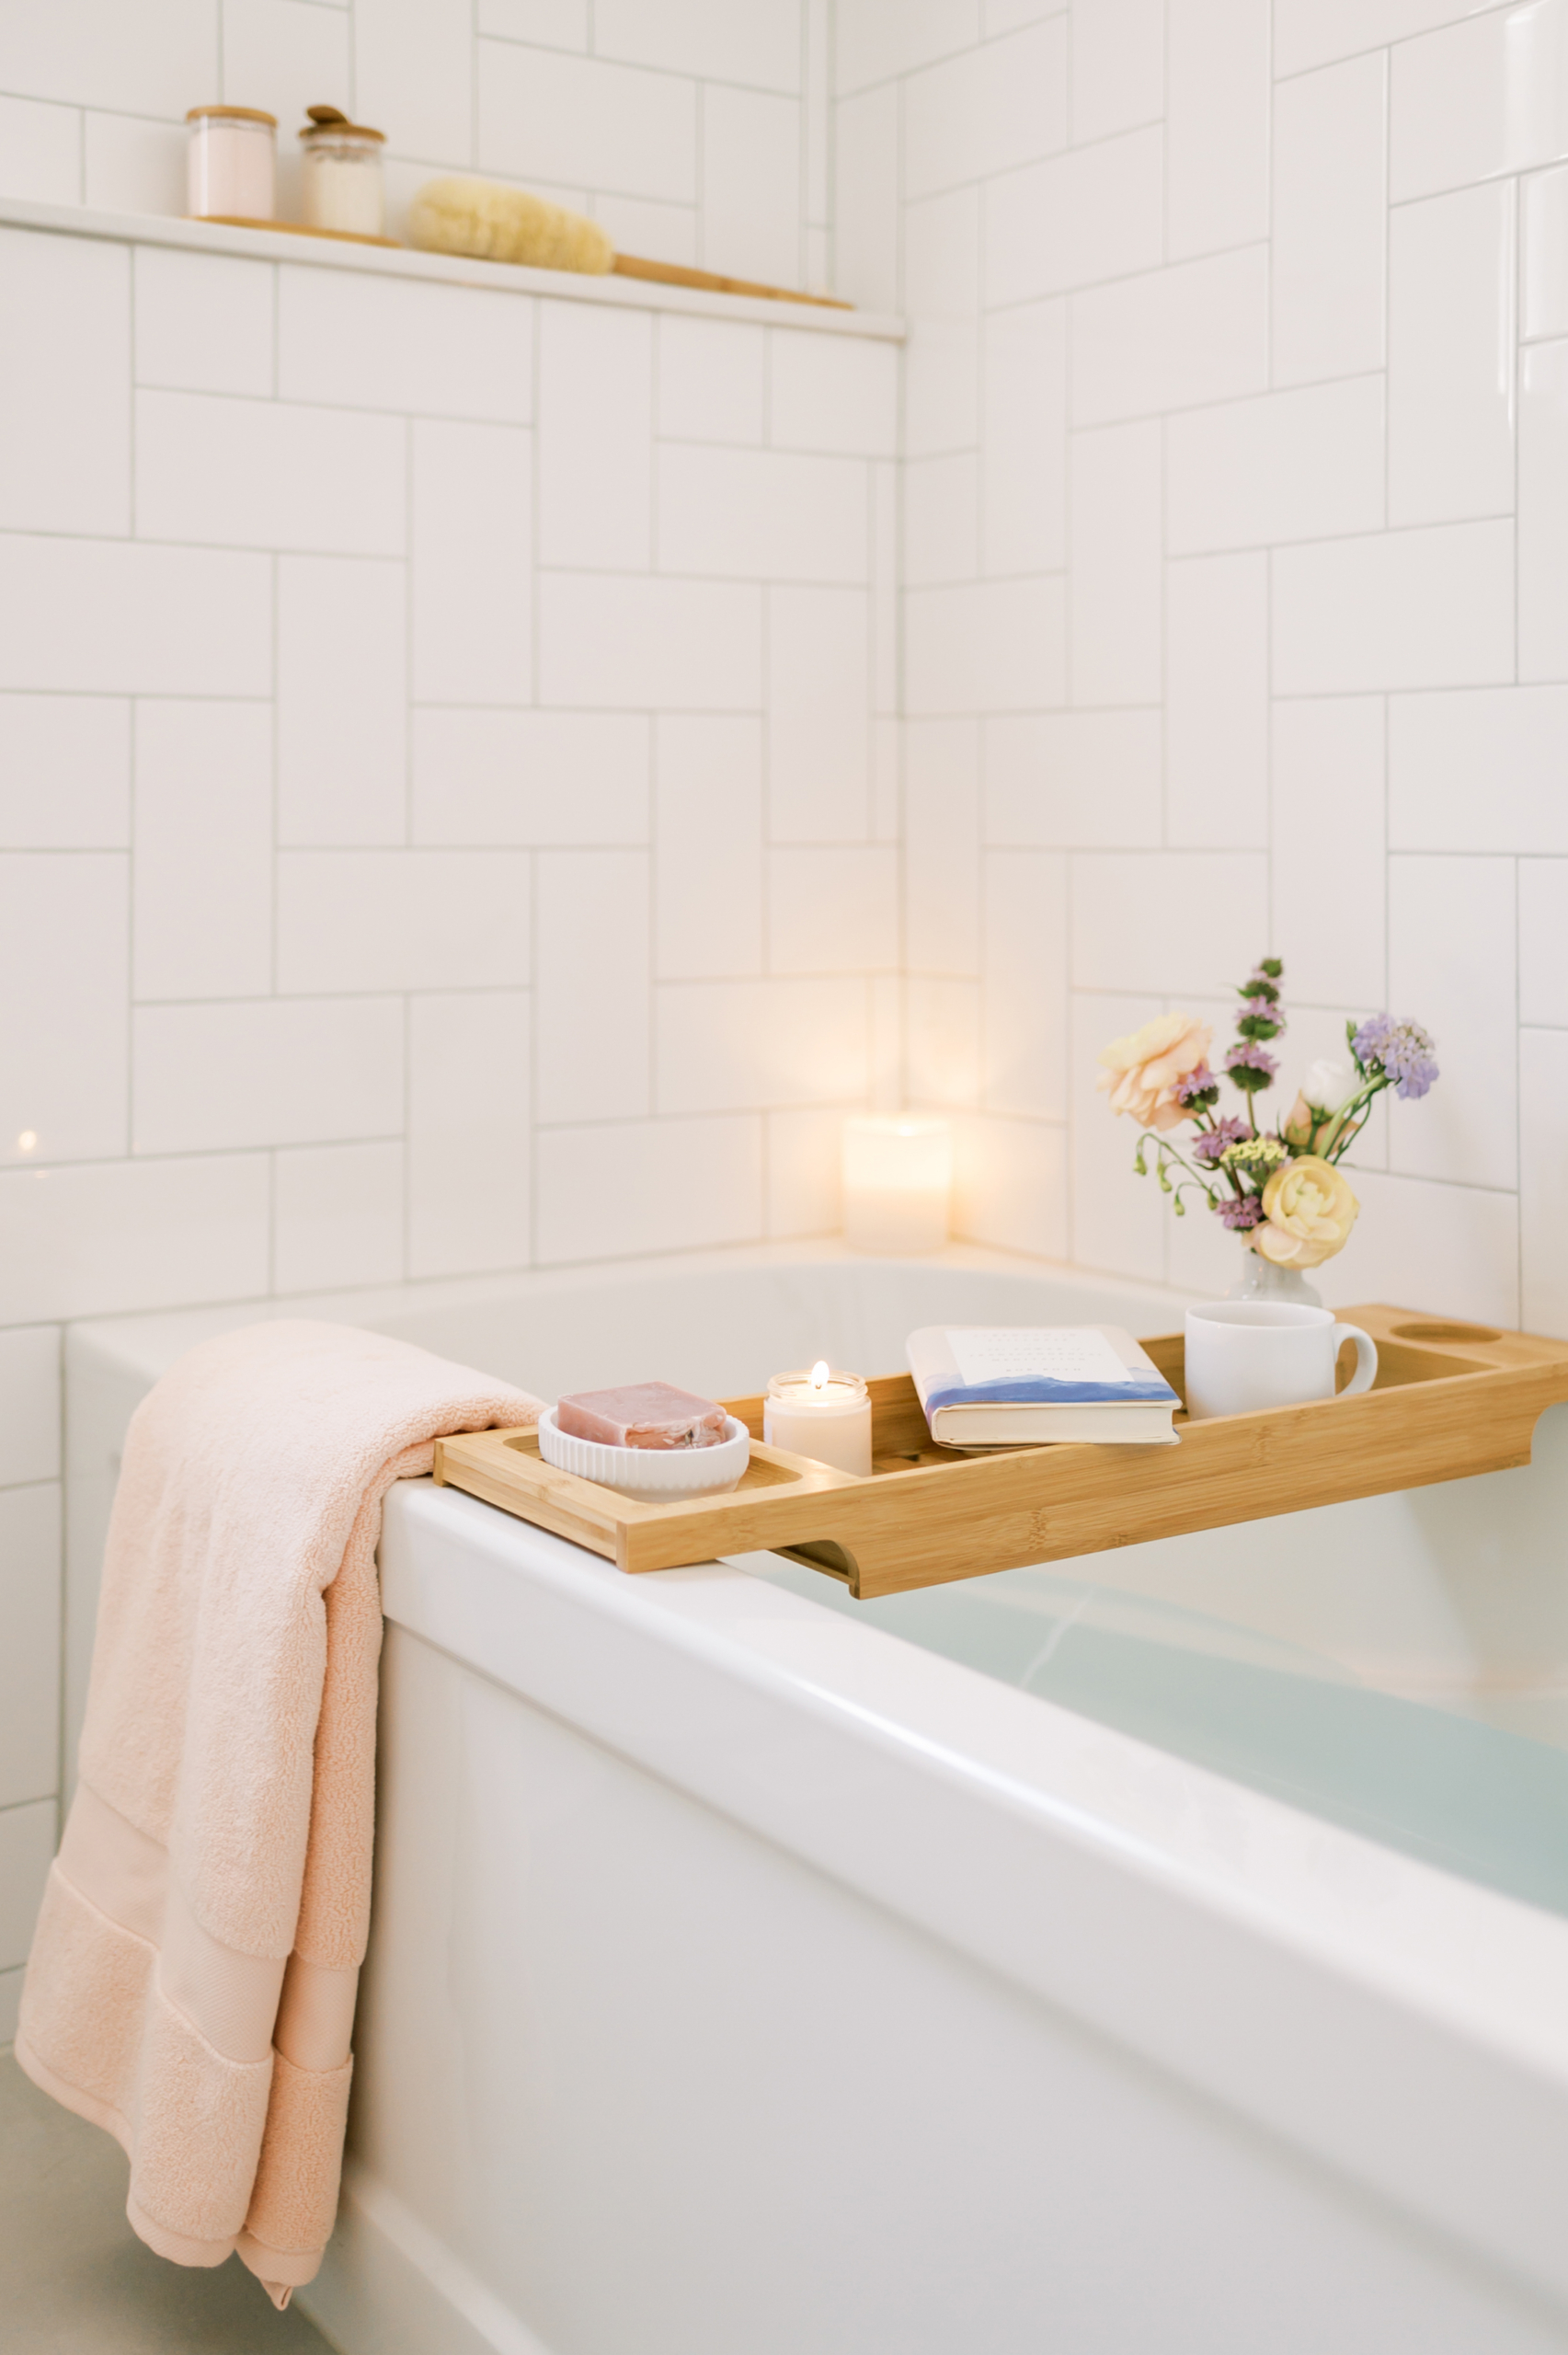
<point x="1200" y="1086"/>
<point x="1411" y="1067"/>
<point x="1250" y="1065"/>
<point x="1260" y="1018"/>
<point x="1400" y="1049"/>
<point x="1240" y="1211"/>
<point x="1263" y="982"/>
<point x="1213" y="1142"/>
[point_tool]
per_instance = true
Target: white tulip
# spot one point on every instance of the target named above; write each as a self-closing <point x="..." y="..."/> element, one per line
<point x="1328" y="1085"/>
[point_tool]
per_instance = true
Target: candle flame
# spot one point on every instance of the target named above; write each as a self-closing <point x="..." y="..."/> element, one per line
<point x="820" y="1374"/>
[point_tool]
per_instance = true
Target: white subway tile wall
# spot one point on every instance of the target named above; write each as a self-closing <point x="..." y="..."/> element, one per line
<point x="486" y="780"/>
<point x="405" y="688"/>
<point x="1237" y="361"/>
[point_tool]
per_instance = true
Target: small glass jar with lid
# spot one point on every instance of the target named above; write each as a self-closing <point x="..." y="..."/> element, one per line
<point x="342" y="175"/>
<point x="231" y="163"/>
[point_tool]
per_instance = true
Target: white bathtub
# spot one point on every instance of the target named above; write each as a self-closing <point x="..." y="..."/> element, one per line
<point x="757" y="1972"/>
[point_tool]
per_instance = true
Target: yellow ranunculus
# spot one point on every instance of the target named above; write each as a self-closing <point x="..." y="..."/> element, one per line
<point x="1144" y="1070"/>
<point x="1308" y="1212"/>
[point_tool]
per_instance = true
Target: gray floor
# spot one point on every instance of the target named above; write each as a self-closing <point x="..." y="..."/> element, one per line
<point x="74" y="2277"/>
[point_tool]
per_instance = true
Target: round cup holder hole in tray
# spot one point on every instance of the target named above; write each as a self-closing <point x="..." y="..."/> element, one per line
<point x="1432" y="1331"/>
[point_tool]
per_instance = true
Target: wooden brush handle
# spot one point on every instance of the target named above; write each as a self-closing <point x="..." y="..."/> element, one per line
<point x="674" y="273"/>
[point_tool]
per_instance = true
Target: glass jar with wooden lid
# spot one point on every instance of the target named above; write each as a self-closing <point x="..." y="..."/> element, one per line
<point x="342" y="175"/>
<point x="231" y="163"/>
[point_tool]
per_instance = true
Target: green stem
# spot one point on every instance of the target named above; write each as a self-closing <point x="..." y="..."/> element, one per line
<point x="1161" y="1145"/>
<point x="1351" y="1116"/>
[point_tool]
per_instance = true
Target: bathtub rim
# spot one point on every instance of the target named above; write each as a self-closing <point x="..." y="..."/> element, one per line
<point x="150" y="1339"/>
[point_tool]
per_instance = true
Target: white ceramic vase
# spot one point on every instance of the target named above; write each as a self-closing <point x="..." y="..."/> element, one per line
<point x="1261" y="1279"/>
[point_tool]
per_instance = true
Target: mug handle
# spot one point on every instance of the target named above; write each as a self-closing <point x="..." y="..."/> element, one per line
<point x="1366" y="1372"/>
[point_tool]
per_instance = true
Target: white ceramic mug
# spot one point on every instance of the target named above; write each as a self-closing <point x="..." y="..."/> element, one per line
<point x="1243" y="1354"/>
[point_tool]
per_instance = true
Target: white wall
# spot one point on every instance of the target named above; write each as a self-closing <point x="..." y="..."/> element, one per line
<point x="696" y="129"/>
<point x="450" y="814"/>
<point x="1235" y="536"/>
<point x="439" y="831"/>
<point x="438" y="828"/>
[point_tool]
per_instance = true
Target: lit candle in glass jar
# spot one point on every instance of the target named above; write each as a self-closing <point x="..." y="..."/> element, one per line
<point x="824" y="1414"/>
<point x="897" y="1182"/>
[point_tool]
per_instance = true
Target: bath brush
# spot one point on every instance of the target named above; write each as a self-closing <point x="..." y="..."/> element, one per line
<point x="490" y="221"/>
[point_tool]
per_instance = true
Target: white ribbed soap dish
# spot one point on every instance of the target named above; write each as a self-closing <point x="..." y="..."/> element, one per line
<point x="653" y="1475"/>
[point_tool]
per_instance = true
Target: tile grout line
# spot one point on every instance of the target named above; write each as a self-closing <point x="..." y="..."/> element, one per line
<point x="535" y="983"/>
<point x="1516" y="382"/>
<point x="650" y="856"/>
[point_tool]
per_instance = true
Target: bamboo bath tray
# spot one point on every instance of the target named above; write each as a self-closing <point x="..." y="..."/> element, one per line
<point x="1450" y="1400"/>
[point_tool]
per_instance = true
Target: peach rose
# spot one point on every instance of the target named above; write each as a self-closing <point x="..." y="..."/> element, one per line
<point x="1308" y="1212"/>
<point x="1143" y="1071"/>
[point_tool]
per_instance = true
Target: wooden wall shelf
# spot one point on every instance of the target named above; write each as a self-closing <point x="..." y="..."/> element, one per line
<point x="292" y="229"/>
<point x="1450" y="1400"/>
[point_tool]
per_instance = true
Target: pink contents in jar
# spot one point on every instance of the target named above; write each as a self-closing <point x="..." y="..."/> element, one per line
<point x="232" y="165"/>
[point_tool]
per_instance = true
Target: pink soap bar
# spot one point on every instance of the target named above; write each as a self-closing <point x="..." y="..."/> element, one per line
<point x="641" y="1413"/>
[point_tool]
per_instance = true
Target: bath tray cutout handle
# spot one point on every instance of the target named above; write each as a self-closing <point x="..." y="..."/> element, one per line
<point x="834" y="1558"/>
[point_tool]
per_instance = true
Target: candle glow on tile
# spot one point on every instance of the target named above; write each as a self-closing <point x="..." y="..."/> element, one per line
<point x="824" y="1415"/>
<point x="898" y="1173"/>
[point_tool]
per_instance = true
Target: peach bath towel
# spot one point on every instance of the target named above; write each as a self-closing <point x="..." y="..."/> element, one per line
<point x="193" y="1978"/>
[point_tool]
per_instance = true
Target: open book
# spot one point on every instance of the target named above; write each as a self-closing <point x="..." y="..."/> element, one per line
<point x="1020" y="1385"/>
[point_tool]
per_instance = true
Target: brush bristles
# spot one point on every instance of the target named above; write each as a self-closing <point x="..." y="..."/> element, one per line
<point x="492" y="222"/>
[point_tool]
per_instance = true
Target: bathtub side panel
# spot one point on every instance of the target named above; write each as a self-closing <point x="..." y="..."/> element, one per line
<point x="664" y="2090"/>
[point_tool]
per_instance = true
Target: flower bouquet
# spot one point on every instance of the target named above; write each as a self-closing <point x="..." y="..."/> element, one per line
<point x="1280" y="1190"/>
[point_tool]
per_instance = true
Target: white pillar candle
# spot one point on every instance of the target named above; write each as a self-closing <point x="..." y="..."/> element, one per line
<point x="897" y="1182"/>
<point x="823" y="1414"/>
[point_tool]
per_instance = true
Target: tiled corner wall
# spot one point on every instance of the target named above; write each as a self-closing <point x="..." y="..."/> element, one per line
<point x="694" y="129"/>
<point x="441" y="825"/>
<point x="419" y="827"/>
<point x="1235" y="544"/>
<point x="451" y="802"/>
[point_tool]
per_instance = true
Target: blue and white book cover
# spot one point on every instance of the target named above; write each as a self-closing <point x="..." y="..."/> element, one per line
<point x="1079" y="1368"/>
